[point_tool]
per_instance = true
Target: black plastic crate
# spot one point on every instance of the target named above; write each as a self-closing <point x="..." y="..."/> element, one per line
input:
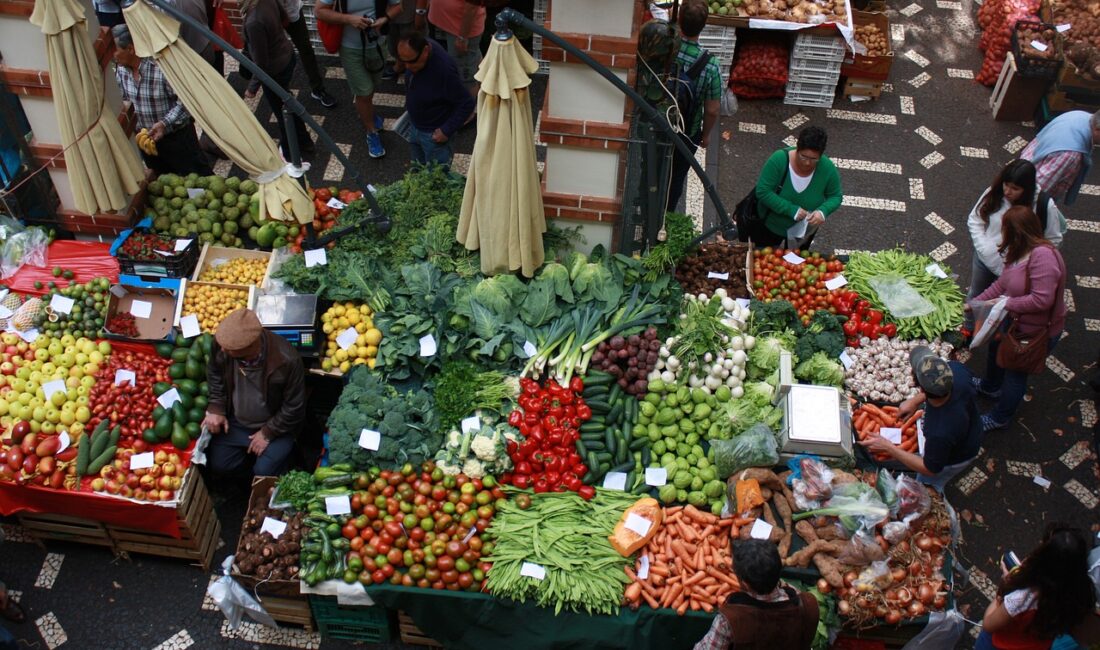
<point x="1032" y="66"/>
<point x="178" y="265"/>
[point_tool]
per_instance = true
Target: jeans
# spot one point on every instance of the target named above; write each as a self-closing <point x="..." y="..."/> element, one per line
<point x="940" y="481"/>
<point x="680" y="169"/>
<point x="109" y="19"/>
<point x="425" y="150"/>
<point x="980" y="280"/>
<point x="299" y="35"/>
<point x="276" y="104"/>
<point x="1011" y="383"/>
<point x="7" y="640"/>
<point x="228" y="452"/>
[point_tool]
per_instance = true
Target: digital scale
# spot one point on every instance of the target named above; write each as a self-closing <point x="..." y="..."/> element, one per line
<point x="816" y="419"/>
<point x="293" y="317"/>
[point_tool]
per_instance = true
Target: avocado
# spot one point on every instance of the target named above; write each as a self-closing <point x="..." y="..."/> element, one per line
<point x="163" y="427"/>
<point x="161" y="388"/>
<point x="193" y="429"/>
<point x="158" y="411"/>
<point x="195" y="415"/>
<point x="179" y="436"/>
<point x="150" y="436"/>
<point x="193" y="369"/>
<point x="201" y="402"/>
<point x="179" y="355"/>
<point x="204" y="389"/>
<point x="164" y="350"/>
<point x="189" y="386"/>
<point x="182" y="342"/>
<point x="186" y="401"/>
<point x="176" y="371"/>
<point x="179" y="413"/>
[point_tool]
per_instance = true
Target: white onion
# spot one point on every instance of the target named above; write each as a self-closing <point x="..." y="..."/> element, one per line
<point x="739" y="357"/>
<point x="750" y="342"/>
<point x="737" y="391"/>
<point x="737" y="343"/>
<point x="667" y="377"/>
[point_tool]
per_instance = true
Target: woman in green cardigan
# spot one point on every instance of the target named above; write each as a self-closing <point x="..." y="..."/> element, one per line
<point x="797" y="189"/>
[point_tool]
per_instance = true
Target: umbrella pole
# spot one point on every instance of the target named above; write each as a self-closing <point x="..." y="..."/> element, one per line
<point x="725" y="224"/>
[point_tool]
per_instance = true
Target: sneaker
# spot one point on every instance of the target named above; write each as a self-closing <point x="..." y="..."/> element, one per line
<point x="374" y="146"/>
<point x="378" y="122"/>
<point x="989" y="424"/>
<point x="326" y="99"/>
<point x="977" y="383"/>
<point x="388" y="72"/>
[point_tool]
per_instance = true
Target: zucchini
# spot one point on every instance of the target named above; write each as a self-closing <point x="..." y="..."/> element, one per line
<point x="336" y="480"/>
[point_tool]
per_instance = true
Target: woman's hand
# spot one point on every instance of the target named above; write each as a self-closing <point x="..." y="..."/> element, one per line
<point x="816" y="218"/>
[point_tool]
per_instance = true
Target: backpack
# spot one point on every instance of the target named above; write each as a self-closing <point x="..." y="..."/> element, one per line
<point x="687" y="92"/>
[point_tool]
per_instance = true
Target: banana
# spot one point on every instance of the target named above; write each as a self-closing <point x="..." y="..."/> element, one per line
<point x="145" y="142"/>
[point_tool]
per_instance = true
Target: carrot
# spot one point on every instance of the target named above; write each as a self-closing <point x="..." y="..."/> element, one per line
<point x="690" y="548"/>
<point x="697" y="561"/>
<point x="695" y="578"/>
<point x="723" y="577"/>
<point x="890" y="410"/>
<point x="876" y="412"/>
<point x="707" y="532"/>
<point x="693" y="513"/>
<point x="742" y="521"/>
<point x="727" y="521"/>
<point x="633" y="593"/>
<point x="651" y="601"/>
<point x="630" y="573"/>
<point x="680" y="552"/>
<point x="682" y="609"/>
<point x="659" y="570"/>
<point x="695" y="606"/>
<point x="674" y="510"/>
<point x="707" y="607"/>
<point x="735" y="531"/>
<point x="687" y="531"/>
<point x="909" y="444"/>
<point x="671" y="595"/>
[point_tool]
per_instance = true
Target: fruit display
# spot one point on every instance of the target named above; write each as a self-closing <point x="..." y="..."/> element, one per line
<point x="147" y="247"/>
<point x="778" y="274"/>
<point x="998" y="20"/>
<point x="39" y="458"/>
<point x="123" y="324"/>
<point x="181" y="421"/>
<point x="1037" y="41"/>
<point x="872" y="38"/>
<point x="212" y="303"/>
<point x="339" y="318"/>
<point x="128" y="405"/>
<point x="239" y="270"/>
<point x="26" y="370"/>
<point x="725" y="8"/>
<point x="156" y="483"/>
<point x="219" y="213"/>
<point x="87" y="314"/>
<point x="324" y="212"/>
<point x="1082" y="35"/>
<point x="805" y="11"/>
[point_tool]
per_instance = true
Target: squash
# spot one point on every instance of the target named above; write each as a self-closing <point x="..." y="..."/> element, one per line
<point x="627" y="540"/>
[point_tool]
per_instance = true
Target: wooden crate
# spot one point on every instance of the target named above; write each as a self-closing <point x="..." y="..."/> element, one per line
<point x="411" y="634"/>
<point x="1015" y="97"/>
<point x="210" y="253"/>
<point x="861" y="66"/>
<point x="198" y="524"/>
<point x="295" y="611"/>
<point x="284" y="589"/>
<point x="855" y="87"/>
<point x="44" y="526"/>
<point x="1058" y="101"/>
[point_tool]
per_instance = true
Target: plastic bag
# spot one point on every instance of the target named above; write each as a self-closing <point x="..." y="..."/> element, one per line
<point x="943" y="631"/>
<point x="23" y="248"/>
<point x="748" y="495"/>
<point x="913" y="499"/>
<point x="815" y="485"/>
<point x="861" y="507"/>
<point x="895" y="531"/>
<point x="235" y="601"/>
<point x="887" y="488"/>
<point x="729" y="103"/>
<point x="877" y="576"/>
<point x="862" y="550"/>
<point x="754" y="448"/>
<point x="988" y="315"/>
<point x="901" y="299"/>
<point x="9" y="227"/>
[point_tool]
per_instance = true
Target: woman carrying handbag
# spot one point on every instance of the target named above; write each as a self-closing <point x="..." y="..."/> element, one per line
<point x="1034" y="281"/>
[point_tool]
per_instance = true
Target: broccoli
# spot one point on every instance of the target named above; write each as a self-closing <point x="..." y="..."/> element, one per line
<point x="824" y="334"/>
<point x="773" y="317"/>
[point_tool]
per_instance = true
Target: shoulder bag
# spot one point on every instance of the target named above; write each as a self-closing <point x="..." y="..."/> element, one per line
<point x="747" y="213"/>
<point x="332" y="33"/>
<point x="1027" y="355"/>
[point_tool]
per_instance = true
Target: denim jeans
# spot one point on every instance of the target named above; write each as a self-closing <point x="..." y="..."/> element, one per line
<point x="227" y="453"/>
<point x="1011" y="383"/>
<point x="939" y="481"/>
<point x="425" y="150"/>
<point x="980" y="280"/>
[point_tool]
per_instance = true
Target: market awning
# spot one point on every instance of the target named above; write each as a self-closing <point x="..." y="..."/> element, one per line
<point x="103" y="166"/>
<point x="220" y="112"/>
<point x="502" y="212"/>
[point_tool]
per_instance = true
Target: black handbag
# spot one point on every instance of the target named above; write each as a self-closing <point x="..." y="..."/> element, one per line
<point x="746" y="213"/>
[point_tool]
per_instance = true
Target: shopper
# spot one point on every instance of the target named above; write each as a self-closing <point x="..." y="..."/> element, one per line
<point x="157" y="109"/>
<point x="298" y="31"/>
<point x="1034" y="280"/>
<point x="951" y="424"/>
<point x="764" y="614"/>
<point x="1014" y="185"/>
<point x="257" y="397"/>
<point x="195" y="38"/>
<point x="404" y="18"/>
<point x="700" y="68"/>
<point x="435" y="98"/>
<point x="798" y="188"/>
<point x="362" y="58"/>
<point x="271" y="50"/>
<point x="462" y="23"/>
<point x="1062" y="153"/>
<point x="1047" y="595"/>
<point x="108" y="12"/>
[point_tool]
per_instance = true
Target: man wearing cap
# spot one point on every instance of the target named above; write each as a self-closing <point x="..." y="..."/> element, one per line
<point x="951" y="424"/>
<point x="257" y="397"/>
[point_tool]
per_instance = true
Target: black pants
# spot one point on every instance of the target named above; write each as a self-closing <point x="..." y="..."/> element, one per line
<point x="109" y="20"/>
<point x="179" y="153"/>
<point x="305" y="144"/>
<point x="680" y="168"/>
<point x="761" y="236"/>
<point x="299" y="35"/>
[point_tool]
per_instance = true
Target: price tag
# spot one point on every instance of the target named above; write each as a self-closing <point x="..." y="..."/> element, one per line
<point x="428" y="347"/>
<point x="744" y="302"/>
<point x="195" y="192"/>
<point x="141" y="461"/>
<point x="656" y="476"/>
<point x="615" y="481"/>
<point x="123" y="376"/>
<point x="336" y="204"/>
<point x="761" y="529"/>
<point x="5" y="313"/>
<point x="470" y="533"/>
<point x="29" y="335"/>
<point x="340" y="505"/>
<point x="316" y="257"/>
<point x="370" y="188"/>
<point x="846" y="360"/>
<point x="711" y="275"/>
<point x="182" y="244"/>
<point x="141" y="308"/>
<point x="934" y="270"/>
<point x="471" y="423"/>
<point x="65" y="442"/>
<point x="836" y="283"/>
<point x="643" y="567"/>
<point x="1042" y="47"/>
<point x="189" y="325"/>
<point x="638" y="524"/>
<point x="347" y="338"/>
<point x="119" y="291"/>
<point x="793" y="258"/>
<point x="1063" y="28"/>
<point x="169" y="398"/>
<point x="892" y="434"/>
<point x="920" y="436"/>
<point x="370" y="440"/>
<point x="532" y="570"/>
<point x="55" y="386"/>
<point x="1041" y="482"/>
<point x="273" y="526"/>
<point x="61" y="304"/>
<point x="529" y="349"/>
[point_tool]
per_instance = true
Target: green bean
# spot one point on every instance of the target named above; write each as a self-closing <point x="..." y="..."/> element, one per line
<point x="942" y="293"/>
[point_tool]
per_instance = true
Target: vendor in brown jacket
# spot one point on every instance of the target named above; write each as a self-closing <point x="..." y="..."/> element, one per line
<point x="257" y="397"/>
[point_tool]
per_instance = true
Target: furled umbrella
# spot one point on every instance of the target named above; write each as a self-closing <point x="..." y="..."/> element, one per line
<point x="103" y="166"/>
<point x="502" y="205"/>
<point x="220" y="112"/>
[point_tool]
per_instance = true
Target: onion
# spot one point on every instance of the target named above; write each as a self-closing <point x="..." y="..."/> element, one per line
<point x="915" y="568"/>
<point x="850" y="578"/>
<point x="939" y="602"/>
<point x="916" y="608"/>
<point x="844" y="608"/>
<point x="905" y="596"/>
<point x="903" y="546"/>
<point x="924" y="542"/>
<point x="881" y="611"/>
<point x="893" y="617"/>
<point x="926" y="594"/>
<point x="823" y="586"/>
<point x="898" y="574"/>
<point x="865" y="603"/>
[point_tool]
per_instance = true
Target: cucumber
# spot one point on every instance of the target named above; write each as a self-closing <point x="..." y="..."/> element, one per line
<point x="604" y="457"/>
<point x="99" y="461"/>
<point x="592" y="461"/>
<point x="628" y="432"/>
<point x="646" y="456"/>
<point x="592" y="427"/>
<point x="639" y="444"/>
<point x="597" y="419"/>
<point x="631" y="476"/>
<point x="632" y="410"/>
<point x="622" y="455"/>
<point x="610" y="441"/>
<point x="594" y="392"/>
<point x="99" y="443"/>
<point x="596" y="378"/>
<point x="83" y="456"/>
<point x="593" y="435"/>
<point x="616" y="394"/>
<point x="616" y="412"/>
<point x="594" y="445"/>
<point x="599" y="407"/>
<point x="579" y="445"/>
<point x="623" y="467"/>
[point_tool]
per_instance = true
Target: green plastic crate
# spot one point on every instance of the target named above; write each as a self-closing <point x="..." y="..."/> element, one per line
<point x="350" y="622"/>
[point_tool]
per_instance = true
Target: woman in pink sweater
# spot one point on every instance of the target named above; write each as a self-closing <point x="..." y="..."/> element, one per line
<point x="1034" y="281"/>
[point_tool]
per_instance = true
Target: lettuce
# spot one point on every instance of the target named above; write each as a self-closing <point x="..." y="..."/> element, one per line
<point x="764" y="356"/>
<point x="820" y="369"/>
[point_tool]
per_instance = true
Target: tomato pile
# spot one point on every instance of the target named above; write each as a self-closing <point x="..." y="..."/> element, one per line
<point x="128" y="405"/>
<point x="324" y="217"/>
<point x="863" y="320"/>
<point x="419" y="529"/>
<point x="144" y="246"/>
<point x="123" y="324"/>
<point x="803" y="285"/>
<point x="549" y="417"/>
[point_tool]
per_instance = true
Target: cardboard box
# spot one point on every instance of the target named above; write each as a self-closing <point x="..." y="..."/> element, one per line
<point x="162" y="309"/>
<point x="213" y="256"/>
<point x="869" y="67"/>
<point x="250" y="302"/>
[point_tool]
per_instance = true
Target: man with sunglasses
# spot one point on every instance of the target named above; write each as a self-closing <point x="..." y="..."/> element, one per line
<point x="435" y="97"/>
<point x="257" y="398"/>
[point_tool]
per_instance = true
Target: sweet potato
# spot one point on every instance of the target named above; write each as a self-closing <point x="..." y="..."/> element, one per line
<point x="802" y="558"/>
<point x="831" y="570"/>
<point x="806" y="531"/>
<point x="765" y="477"/>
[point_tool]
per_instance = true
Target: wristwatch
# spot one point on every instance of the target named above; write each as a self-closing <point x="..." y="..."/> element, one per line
<point x="421" y="12"/>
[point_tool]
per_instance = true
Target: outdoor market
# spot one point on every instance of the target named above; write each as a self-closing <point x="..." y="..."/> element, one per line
<point x="472" y="400"/>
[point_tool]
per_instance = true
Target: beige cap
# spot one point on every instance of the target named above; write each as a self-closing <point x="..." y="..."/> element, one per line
<point x="240" y="332"/>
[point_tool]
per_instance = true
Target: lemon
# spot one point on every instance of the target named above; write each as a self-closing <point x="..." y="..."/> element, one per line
<point x="345" y="366"/>
<point x="373" y="336"/>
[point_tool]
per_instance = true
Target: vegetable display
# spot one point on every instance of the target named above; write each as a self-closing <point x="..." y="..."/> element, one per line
<point x="296" y="488"/>
<point x="460" y="389"/>
<point x="880" y="369"/>
<point x="802" y="283"/>
<point x="260" y="554"/>
<point x="708" y="350"/>
<point x="719" y="265"/>
<point x="945" y="300"/>
<point x="478" y="451"/>
<point x="85" y="318"/>
<point x="549" y="417"/>
<point x="632" y="358"/>
<point x="868" y="421"/>
<point x="609" y="441"/>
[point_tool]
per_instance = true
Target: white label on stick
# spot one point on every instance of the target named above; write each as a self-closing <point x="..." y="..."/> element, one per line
<point x="141" y="308"/>
<point x="195" y="192"/>
<point x="920" y="437"/>
<point x="935" y="270"/>
<point x="65" y="440"/>
<point x="29" y="335"/>
<point x="892" y="434"/>
<point x="51" y="387"/>
<point x="273" y="526"/>
<point x="336" y="204"/>
<point x="614" y="481"/>
<point x="656" y="476"/>
<point x="470" y="533"/>
<point x="347" y="338"/>
<point x="761" y="529"/>
<point x="836" y="283"/>
<point x="182" y="244"/>
<point x="123" y="376"/>
<point x="427" y="346"/>
<point x="5" y="312"/>
<point x="638" y="524"/>
<point x="316" y="257"/>
<point x="61" y="304"/>
<point x="190" y="326"/>
<point x="1041" y="482"/>
<point x="472" y="423"/>
<point x="141" y="461"/>
<point x="1042" y="47"/>
<point x="529" y="349"/>
<point x="532" y="570"/>
<point x="846" y="360"/>
<point x="793" y="258"/>
<point x="169" y="398"/>
<point x="340" y="505"/>
<point x="711" y="275"/>
<point x="643" y="567"/>
<point x="744" y="302"/>
<point x="370" y="440"/>
<point x="1064" y="27"/>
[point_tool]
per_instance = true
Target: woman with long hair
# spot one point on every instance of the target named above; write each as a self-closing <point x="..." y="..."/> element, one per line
<point x="1046" y="596"/>
<point x="1034" y="281"/>
<point x="1014" y="185"/>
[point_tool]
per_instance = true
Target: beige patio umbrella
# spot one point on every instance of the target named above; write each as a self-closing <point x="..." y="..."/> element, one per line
<point x="103" y="166"/>
<point x="220" y="112"/>
<point x="502" y="205"/>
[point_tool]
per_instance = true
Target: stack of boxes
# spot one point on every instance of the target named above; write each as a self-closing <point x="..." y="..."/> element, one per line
<point x="720" y="42"/>
<point x="814" y="70"/>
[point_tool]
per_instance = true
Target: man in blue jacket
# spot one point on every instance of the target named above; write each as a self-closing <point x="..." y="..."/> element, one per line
<point x="436" y="100"/>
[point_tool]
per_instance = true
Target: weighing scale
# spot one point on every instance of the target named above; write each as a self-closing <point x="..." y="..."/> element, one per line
<point x="816" y="419"/>
<point x="293" y="317"/>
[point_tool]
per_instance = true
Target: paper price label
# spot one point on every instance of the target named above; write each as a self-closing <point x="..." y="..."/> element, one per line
<point x="744" y="302"/>
<point x="28" y="335"/>
<point x="638" y="524"/>
<point x="656" y="476"/>
<point x="316" y="257"/>
<point x="920" y="436"/>
<point x="119" y="291"/>
<point x="892" y="434"/>
<point x="5" y="313"/>
<point x="711" y="275"/>
<point x="846" y="360"/>
<point x="61" y="304"/>
<point x="340" y="505"/>
<point x="65" y="441"/>
<point x="643" y="567"/>
<point x="614" y="481"/>
<point x="347" y="338"/>
<point x="761" y="530"/>
<point x="195" y="192"/>
<point x="141" y="308"/>
<point x="55" y="386"/>
<point x="935" y="271"/>
<point x="532" y="570"/>
<point x="1063" y="28"/>
<point x="472" y="423"/>
<point x="370" y="440"/>
<point x="189" y="325"/>
<point x="1041" y="482"/>
<point x="141" y="461"/>
<point x="1042" y="47"/>
<point x="428" y="347"/>
<point x="836" y="283"/>
<point x="168" y="398"/>
<point x="123" y="376"/>
<point x="529" y="349"/>
<point x="336" y="204"/>
<point x="182" y="244"/>
<point x="793" y="258"/>
<point x="273" y="526"/>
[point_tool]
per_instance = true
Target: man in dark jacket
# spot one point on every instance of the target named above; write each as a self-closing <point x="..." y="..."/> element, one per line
<point x="437" y="101"/>
<point x="257" y="397"/>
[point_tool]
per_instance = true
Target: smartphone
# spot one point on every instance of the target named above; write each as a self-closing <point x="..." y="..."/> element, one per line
<point x="1011" y="561"/>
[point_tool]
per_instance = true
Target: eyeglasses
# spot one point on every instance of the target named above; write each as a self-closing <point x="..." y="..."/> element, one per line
<point x="808" y="159"/>
<point x="414" y="59"/>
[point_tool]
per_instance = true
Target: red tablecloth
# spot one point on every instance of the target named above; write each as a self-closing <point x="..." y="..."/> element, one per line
<point x="87" y="260"/>
<point x="88" y="505"/>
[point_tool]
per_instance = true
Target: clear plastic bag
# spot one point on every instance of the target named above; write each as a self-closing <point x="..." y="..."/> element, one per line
<point x="860" y="506"/>
<point x="754" y="448"/>
<point x="901" y="299"/>
<point x="729" y="103"/>
<point x="235" y="601"/>
<point x="814" y="485"/>
<point x="9" y="227"/>
<point x="877" y="575"/>
<point x="895" y="531"/>
<point x="23" y="248"/>
<point x="862" y="550"/>
<point x="943" y="631"/>
<point x="913" y="499"/>
<point x="887" y="488"/>
<point x="988" y="315"/>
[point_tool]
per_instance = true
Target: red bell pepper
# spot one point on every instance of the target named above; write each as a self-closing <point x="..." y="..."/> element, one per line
<point x="890" y="330"/>
<point x="874" y="315"/>
<point x="576" y="384"/>
<point x="515" y="418"/>
<point x="586" y="492"/>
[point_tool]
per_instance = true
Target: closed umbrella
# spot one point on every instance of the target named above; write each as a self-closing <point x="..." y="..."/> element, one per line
<point x="502" y="205"/>
<point x="103" y="166"/>
<point x="220" y="112"/>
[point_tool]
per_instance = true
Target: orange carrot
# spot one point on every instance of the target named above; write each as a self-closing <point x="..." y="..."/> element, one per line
<point x="693" y="513"/>
<point x="707" y="532"/>
<point x="633" y="593"/>
<point x="697" y="561"/>
<point x="890" y="410"/>
<point x="672" y="594"/>
<point x="651" y="601"/>
<point x="674" y="510"/>
<point x="680" y="552"/>
<point x="658" y="569"/>
<point x="876" y="412"/>
<point x="707" y="607"/>
<point x="689" y="547"/>
<point x="698" y="576"/>
<point x="687" y="532"/>
<point x="682" y="609"/>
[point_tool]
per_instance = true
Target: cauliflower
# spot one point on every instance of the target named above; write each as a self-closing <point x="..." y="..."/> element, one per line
<point x="485" y="447"/>
<point x="473" y="468"/>
<point x="448" y="468"/>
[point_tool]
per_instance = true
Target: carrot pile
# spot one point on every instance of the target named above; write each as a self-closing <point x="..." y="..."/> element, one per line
<point x="869" y="420"/>
<point x="690" y="566"/>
